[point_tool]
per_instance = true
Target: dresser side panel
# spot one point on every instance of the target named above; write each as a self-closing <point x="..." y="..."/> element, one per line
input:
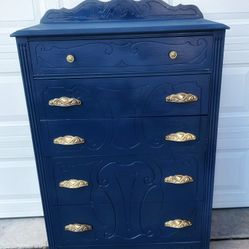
<point x="214" y="106"/>
<point x="26" y="70"/>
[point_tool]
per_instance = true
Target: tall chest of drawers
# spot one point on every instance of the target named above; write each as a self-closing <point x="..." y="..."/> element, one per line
<point x="123" y="101"/>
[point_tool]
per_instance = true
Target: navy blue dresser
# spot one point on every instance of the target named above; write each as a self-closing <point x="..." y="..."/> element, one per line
<point x="123" y="102"/>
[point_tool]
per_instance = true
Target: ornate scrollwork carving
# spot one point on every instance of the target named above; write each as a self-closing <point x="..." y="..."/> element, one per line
<point x="73" y="184"/>
<point x="178" y="223"/>
<point x="69" y="140"/>
<point x="64" y="102"/>
<point x="78" y="228"/>
<point x="121" y="10"/>
<point x="178" y="179"/>
<point x="180" y="137"/>
<point x="181" y="98"/>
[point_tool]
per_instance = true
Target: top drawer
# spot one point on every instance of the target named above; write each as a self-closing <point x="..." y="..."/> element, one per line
<point x="165" y="54"/>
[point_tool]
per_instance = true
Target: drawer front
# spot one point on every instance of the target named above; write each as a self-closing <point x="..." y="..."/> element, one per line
<point x="194" y="245"/>
<point x="149" y="223"/>
<point x="124" y="136"/>
<point x="122" y="55"/>
<point x="122" y="97"/>
<point x="129" y="179"/>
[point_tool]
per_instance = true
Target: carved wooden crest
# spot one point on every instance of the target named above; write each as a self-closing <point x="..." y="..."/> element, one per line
<point x="91" y="10"/>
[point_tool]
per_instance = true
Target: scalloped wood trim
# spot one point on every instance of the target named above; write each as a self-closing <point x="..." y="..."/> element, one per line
<point x="91" y="10"/>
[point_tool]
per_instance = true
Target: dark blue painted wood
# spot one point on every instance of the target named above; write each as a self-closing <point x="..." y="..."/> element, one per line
<point x="192" y="245"/>
<point x="122" y="97"/>
<point x="94" y="17"/>
<point x="92" y="10"/>
<point x="147" y="27"/>
<point x="24" y="56"/>
<point x="115" y="224"/>
<point x="118" y="56"/>
<point x="141" y="178"/>
<point x="123" y="136"/>
<point x="122" y="74"/>
<point x="213" y="130"/>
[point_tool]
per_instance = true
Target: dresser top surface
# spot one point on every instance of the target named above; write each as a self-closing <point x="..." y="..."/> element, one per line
<point x="96" y="28"/>
<point x="120" y="16"/>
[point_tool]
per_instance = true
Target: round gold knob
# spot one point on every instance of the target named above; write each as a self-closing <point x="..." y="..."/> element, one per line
<point x="173" y="55"/>
<point x="70" y="58"/>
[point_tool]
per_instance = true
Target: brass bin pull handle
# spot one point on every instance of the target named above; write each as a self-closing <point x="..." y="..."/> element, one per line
<point x="64" y="102"/>
<point x="181" y="98"/>
<point x="78" y="228"/>
<point x="180" y="137"/>
<point x="178" y="223"/>
<point x="179" y="179"/>
<point x="73" y="184"/>
<point x="69" y="140"/>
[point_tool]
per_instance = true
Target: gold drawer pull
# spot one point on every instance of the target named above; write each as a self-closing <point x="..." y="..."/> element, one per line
<point x="64" y="102"/>
<point x="78" y="228"/>
<point x="180" y="137"/>
<point x="178" y="179"/>
<point x="178" y="223"/>
<point x="69" y="140"/>
<point x="70" y="58"/>
<point x="181" y="98"/>
<point x="73" y="184"/>
<point x="173" y="55"/>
